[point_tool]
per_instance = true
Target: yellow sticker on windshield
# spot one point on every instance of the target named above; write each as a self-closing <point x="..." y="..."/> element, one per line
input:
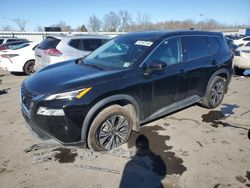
<point x="143" y="43"/>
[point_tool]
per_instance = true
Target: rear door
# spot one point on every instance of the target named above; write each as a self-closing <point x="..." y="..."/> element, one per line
<point x="199" y="65"/>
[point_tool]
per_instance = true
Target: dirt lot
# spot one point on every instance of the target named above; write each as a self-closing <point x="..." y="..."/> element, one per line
<point x="194" y="147"/>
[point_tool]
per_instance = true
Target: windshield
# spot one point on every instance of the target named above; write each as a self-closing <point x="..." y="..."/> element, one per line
<point x="121" y="52"/>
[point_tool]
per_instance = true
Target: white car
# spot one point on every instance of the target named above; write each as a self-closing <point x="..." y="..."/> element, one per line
<point x="19" y="59"/>
<point x="55" y="49"/>
<point x="242" y="41"/>
<point x="242" y="59"/>
<point x="4" y="40"/>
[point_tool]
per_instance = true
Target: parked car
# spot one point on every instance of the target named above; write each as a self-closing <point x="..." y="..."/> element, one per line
<point x="132" y="79"/>
<point x="4" y="40"/>
<point x="242" y="59"/>
<point x="231" y="45"/>
<point x="242" y="41"/>
<point x="55" y="49"/>
<point x="10" y="45"/>
<point x="19" y="59"/>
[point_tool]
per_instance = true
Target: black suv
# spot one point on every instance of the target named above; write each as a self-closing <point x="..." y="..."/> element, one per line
<point x="130" y="80"/>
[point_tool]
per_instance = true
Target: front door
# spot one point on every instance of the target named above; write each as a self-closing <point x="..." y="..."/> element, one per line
<point x="168" y="85"/>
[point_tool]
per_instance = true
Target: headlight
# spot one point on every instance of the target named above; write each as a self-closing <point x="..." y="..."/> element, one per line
<point x="69" y="95"/>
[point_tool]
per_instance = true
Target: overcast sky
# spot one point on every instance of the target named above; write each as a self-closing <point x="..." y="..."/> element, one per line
<point x="76" y="12"/>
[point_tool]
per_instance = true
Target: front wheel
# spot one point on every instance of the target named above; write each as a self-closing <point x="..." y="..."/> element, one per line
<point x="215" y="93"/>
<point x="111" y="128"/>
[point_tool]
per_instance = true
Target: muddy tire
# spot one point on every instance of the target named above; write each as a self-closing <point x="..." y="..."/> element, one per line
<point x="239" y="71"/>
<point x="28" y="68"/>
<point x="215" y="93"/>
<point x="110" y="128"/>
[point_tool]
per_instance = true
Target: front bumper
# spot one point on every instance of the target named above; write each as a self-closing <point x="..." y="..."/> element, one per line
<point x="241" y="62"/>
<point x="65" y="130"/>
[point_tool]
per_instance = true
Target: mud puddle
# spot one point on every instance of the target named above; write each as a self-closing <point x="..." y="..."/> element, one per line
<point x="149" y="143"/>
<point x="65" y="155"/>
<point x="4" y="91"/>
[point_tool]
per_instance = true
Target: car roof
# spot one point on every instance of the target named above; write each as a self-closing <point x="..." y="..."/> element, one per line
<point x="154" y="35"/>
<point x="77" y="36"/>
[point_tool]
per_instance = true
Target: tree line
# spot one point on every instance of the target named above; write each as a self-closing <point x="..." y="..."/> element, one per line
<point x="123" y="21"/>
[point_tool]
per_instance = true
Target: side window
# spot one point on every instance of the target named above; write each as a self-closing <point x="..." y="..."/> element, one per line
<point x="247" y="39"/>
<point x="11" y="40"/>
<point x="91" y="44"/>
<point x="1" y="41"/>
<point x="75" y="43"/>
<point x="248" y="44"/>
<point x="213" y="44"/>
<point x="170" y="52"/>
<point x="195" y="47"/>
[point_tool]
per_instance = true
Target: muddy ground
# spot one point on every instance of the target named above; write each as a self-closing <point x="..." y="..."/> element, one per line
<point x="194" y="147"/>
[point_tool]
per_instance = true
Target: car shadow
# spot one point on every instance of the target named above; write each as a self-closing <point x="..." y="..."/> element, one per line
<point x="145" y="169"/>
<point x="153" y="159"/>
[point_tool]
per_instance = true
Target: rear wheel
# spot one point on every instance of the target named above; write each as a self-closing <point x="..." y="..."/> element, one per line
<point x="239" y="71"/>
<point x="215" y="93"/>
<point x="29" y="67"/>
<point x="111" y="128"/>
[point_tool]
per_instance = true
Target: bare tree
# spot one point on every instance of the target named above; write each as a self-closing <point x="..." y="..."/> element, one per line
<point x="81" y="28"/>
<point x="94" y="23"/>
<point x="125" y="20"/>
<point x="111" y="22"/>
<point x="39" y="28"/>
<point x="7" y="28"/>
<point x="21" y="23"/>
<point x="143" y="22"/>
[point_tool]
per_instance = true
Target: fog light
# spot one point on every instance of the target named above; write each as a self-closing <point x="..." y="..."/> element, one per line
<point x="50" y="112"/>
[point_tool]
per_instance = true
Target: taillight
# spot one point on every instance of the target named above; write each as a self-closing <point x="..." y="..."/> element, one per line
<point x="8" y="55"/>
<point x="3" y="48"/>
<point x="52" y="52"/>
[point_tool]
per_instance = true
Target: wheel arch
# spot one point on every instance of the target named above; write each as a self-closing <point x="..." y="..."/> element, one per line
<point x="224" y="73"/>
<point x="120" y="99"/>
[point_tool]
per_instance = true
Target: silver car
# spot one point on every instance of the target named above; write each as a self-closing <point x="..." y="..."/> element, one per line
<point x="59" y="48"/>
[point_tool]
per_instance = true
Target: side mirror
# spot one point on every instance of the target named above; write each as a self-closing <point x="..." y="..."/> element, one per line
<point x="155" y="66"/>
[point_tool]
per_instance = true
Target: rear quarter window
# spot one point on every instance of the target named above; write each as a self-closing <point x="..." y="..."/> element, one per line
<point x="49" y="42"/>
<point x="195" y="47"/>
<point x="75" y="43"/>
<point x="214" y="45"/>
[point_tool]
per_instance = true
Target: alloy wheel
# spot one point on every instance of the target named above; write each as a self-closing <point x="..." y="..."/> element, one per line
<point x="113" y="132"/>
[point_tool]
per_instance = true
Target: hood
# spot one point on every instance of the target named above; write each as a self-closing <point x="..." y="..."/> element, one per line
<point x="68" y="76"/>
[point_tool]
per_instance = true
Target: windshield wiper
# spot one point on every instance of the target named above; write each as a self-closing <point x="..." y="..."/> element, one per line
<point x="93" y="65"/>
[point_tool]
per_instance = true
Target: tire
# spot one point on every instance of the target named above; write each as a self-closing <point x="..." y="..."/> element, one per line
<point x="102" y="136"/>
<point x="239" y="71"/>
<point x="215" y="93"/>
<point x="28" y="68"/>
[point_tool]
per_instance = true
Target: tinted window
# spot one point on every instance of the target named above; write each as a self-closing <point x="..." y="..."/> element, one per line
<point x="195" y="47"/>
<point x="91" y="44"/>
<point x="247" y="39"/>
<point x="168" y="52"/>
<point x="213" y="44"/>
<point x="248" y="44"/>
<point x="75" y="43"/>
<point x="1" y="41"/>
<point x="49" y="42"/>
<point x="11" y="40"/>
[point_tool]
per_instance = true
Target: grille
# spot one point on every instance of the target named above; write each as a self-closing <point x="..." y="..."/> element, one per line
<point x="26" y="97"/>
<point x="236" y="53"/>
